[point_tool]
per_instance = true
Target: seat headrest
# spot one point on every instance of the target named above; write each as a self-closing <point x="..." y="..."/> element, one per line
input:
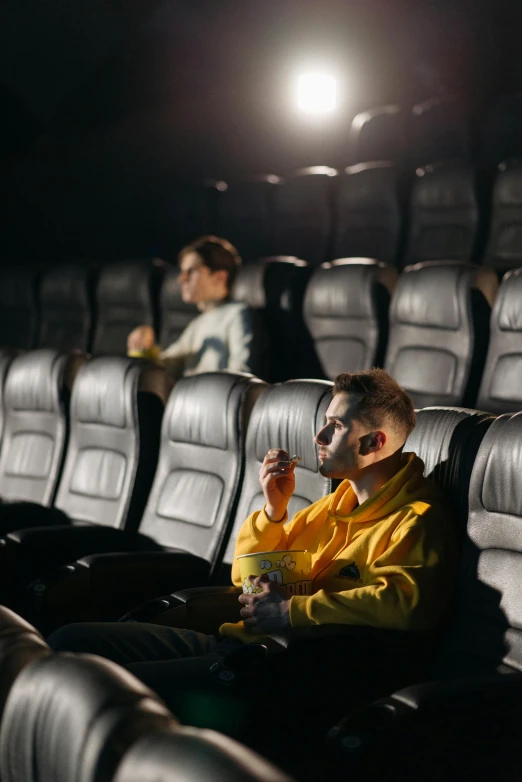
<point x="17" y="287"/>
<point x="128" y="283"/>
<point x="72" y="717"/>
<point x="197" y="409"/>
<point x="508" y="187"/>
<point x="432" y="294"/>
<point x="444" y="186"/>
<point x="344" y="288"/>
<point x="277" y="420"/>
<point x="271" y="283"/>
<point x="496" y="486"/>
<point x="171" y="298"/>
<point x="106" y="388"/>
<point x="193" y="755"/>
<point x="66" y="286"/>
<point x="508" y="308"/>
<point x="35" y="380"/>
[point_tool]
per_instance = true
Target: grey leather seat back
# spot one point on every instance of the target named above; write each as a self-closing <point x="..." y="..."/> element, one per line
<point x="247" y="216"/>
<point x="439" y="327"/>
<point x="286" y="416"/>
<point x="6" y="356"/>
<point x="447" y="440"/>
<point x="444" y="215"/>
<point x="346" y="311"/>
<point x="187" y="754"/>
<point x="66" y="308"/>
<point x="116" y="410"/>
<point x="486" y="634"/>
<point x="70" y="718"/>
<point x="200" y="466"/>
<point x="438" y="131"/>
<point x="378" y="134"/>
<point x="504" y="250"/>
<point x="175" y="313"/>
<point x="127" y="297"/>
<point x="274" y="290"/>
<point x="367" y="213"/>
<point x="18" y="307"/>
<point x="304" y="214"/>
<point x="501" y="386"/>
<point x="35" y="433"/>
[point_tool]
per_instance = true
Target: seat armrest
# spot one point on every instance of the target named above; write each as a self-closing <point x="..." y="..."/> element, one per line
<point x="103" y="586"/>
<point x="203" y="609"/>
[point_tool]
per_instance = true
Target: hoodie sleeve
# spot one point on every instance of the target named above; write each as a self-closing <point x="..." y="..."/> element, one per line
<point x="407" y="586"/>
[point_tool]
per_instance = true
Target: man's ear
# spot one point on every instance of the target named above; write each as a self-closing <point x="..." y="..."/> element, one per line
<point x="378" y="440"/>
<point x="221" y="275"/>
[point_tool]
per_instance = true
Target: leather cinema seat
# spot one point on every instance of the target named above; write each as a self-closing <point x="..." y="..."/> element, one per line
<point x="66" y="308"/>
<point x="304" y="214"/>
<point x="501" y="386"/>
<point x="378" y="134"/>
<point x="286" y="416"/>
<point x="127" y="296"/>
<point x="444" y="214"/>
<point x="504" y="249"/>
<point x="175" y="313"/>
<point x="185" y="524"/>
<point x="247" y="216"/>
<point x="18" y="307"/>
<point x="438" y="131"/>
<point x="367" y="213"/>
<point x="115" y="418"/>
<point x="6" y="356"/>
<point x="274" y="290"/>
<point x="71" y="718"/>
<point x="346" y="311"/>
<point x="36" y="408"/>
<point x="20" y="644"/>
<point x="439" y="329"/>
<point x="501" y="130"/>
<point x="459" y="723"/>
<point x="190" y="755"/>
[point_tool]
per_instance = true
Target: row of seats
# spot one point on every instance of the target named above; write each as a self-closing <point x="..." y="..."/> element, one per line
<point x="79" y="718"/>
<point x="475" y="459"/>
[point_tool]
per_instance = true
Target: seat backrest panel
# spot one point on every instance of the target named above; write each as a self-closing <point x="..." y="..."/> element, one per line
<point x="66" y="308"/>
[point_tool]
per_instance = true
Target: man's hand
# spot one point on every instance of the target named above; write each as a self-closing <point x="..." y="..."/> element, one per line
<point x="266" y="611"/>
<point x="277" y="480"/>
<point x="141" y="338"/>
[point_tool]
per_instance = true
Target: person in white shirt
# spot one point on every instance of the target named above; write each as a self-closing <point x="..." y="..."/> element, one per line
<point x="222" y="336"/>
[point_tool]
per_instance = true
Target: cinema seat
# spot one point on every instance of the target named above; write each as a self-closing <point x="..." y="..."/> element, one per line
<point x="304" y="214"/>
<point x="504" y="248"/>
<point x="127" y="296"/>
<point x="439" y="330"/>
<point x="438" y="131"/>
<point x="71" y="718"/>
<point x="36" y="408"/>
<point x="368" y="213"/>
<point x="378" y="134"/>
<point x="444" y="214"/>
<point x="67" y="307"/>
<point x="185" y="525"/>
<point x="500" y="389"/>
<point x="115" y="416"/>
<point x="346" y="311"/>
<point x="185" y="754"/>
<point x="18" y="307"/>
<point x="459" y="723"/>
<point x="175" y="313"/>
<point x="247" y="216"/>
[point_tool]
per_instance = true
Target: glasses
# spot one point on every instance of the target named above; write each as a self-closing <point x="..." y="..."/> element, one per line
<point x="189" y="272"/>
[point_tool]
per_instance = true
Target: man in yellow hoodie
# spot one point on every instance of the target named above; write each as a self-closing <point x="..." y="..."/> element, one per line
<point x="383" y="546"/>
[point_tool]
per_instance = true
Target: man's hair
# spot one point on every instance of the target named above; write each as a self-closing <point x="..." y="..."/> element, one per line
<point x="215" y="253"/>
<point x="382" y="401"/>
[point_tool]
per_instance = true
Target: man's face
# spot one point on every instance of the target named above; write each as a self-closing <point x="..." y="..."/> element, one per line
<point x="198" y="283"/>
<point x="342" y="440"/>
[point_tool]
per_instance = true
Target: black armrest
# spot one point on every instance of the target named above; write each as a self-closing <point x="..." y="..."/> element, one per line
<point x="201" y="608"/>
<point x="103" y="586"/>
<point x="21" y="515"/>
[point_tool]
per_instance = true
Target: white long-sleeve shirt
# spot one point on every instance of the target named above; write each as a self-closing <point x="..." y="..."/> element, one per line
<point x="221" y="338"/>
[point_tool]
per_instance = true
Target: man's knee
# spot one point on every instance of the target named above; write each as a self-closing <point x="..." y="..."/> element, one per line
<point x="77" y="637"/>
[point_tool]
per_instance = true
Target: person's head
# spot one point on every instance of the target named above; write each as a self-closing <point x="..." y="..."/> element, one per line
<point x="368" y="420"/>
<point x="207" y="270"/>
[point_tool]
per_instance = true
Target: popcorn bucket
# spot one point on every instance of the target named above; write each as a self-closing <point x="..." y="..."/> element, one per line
<point x="291" y="569"/>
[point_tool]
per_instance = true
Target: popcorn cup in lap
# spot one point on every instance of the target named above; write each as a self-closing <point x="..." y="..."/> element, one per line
<point x="291" y="569"/>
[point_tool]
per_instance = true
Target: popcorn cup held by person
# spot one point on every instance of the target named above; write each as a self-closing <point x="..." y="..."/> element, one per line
<point x="291" y="569"/>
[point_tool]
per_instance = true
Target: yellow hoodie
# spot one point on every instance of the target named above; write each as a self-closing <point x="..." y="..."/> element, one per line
<point x="388" y="563"/>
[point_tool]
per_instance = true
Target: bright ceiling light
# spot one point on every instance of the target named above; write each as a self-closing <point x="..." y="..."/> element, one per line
<point x="316" y="93"/>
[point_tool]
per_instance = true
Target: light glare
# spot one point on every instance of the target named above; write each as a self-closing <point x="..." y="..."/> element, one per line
<point x="316" y="93"/>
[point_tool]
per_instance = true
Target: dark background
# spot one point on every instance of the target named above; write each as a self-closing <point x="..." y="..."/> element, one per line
<point x="106" y="104"/>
